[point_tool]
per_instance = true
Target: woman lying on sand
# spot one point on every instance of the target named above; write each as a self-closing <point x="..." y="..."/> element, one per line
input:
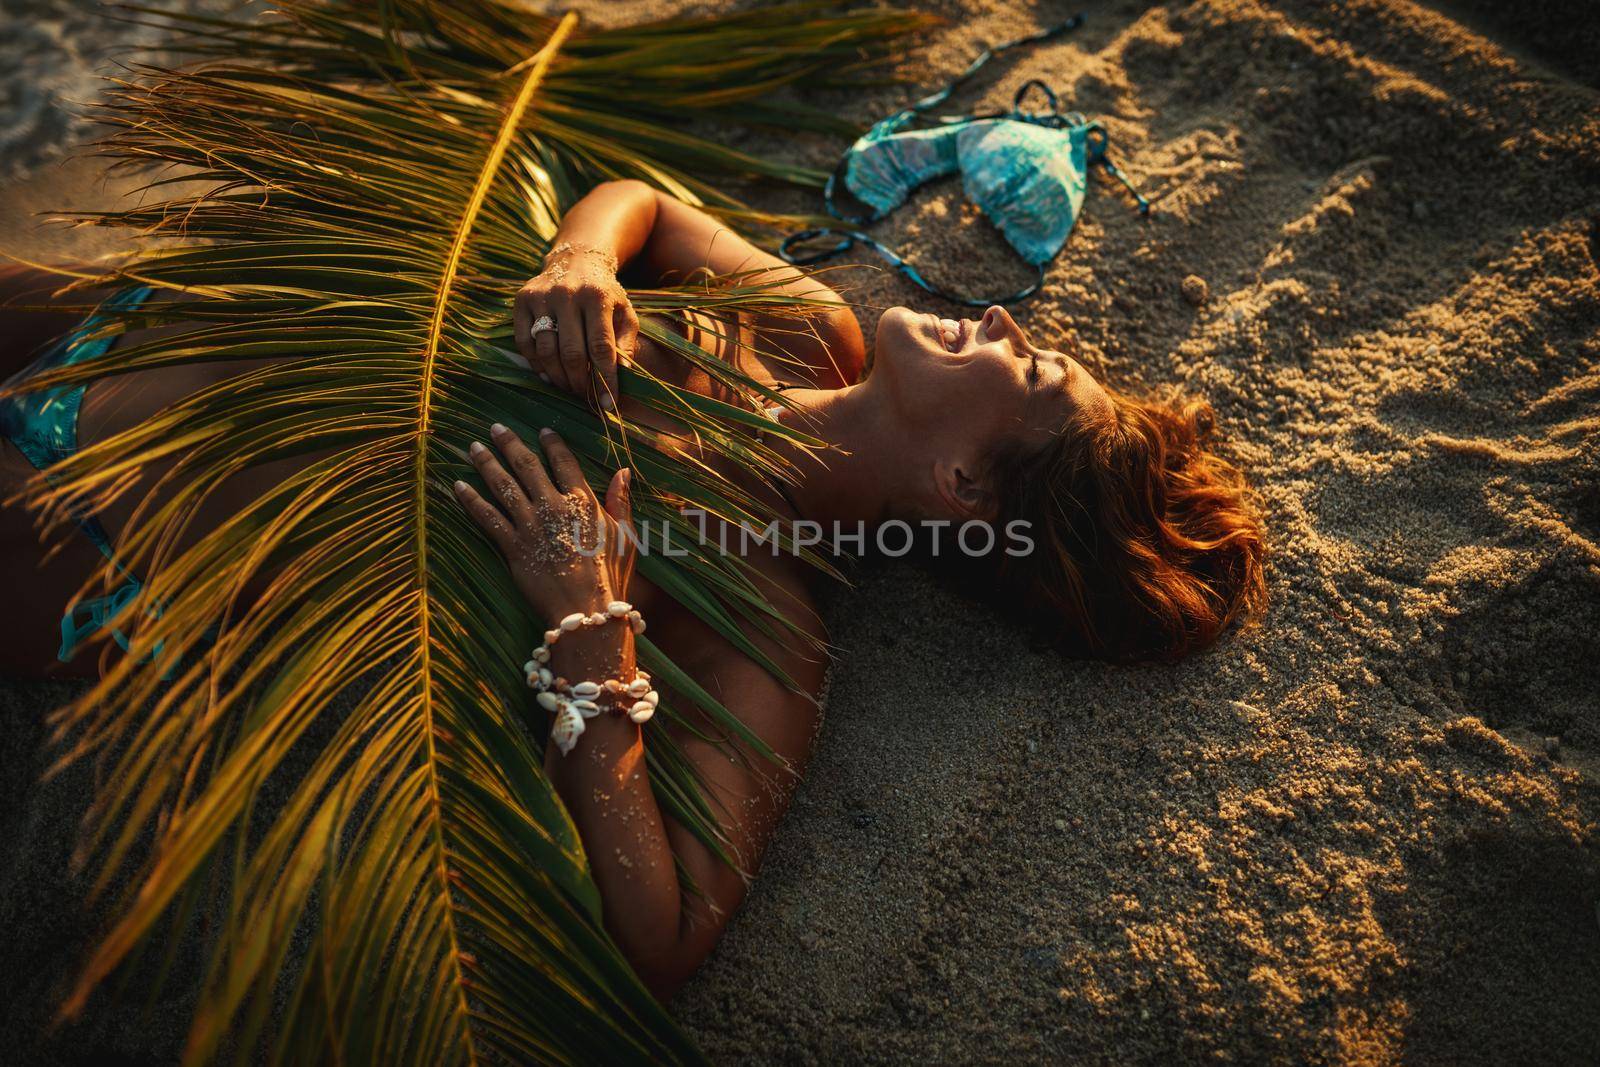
<point x="1144" y="544"/>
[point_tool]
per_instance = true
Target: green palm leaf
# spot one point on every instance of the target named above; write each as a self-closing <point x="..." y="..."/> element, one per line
<point x="352" y="748"/>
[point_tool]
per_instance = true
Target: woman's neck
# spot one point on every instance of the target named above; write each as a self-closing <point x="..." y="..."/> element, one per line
<point x="853" y="479"/>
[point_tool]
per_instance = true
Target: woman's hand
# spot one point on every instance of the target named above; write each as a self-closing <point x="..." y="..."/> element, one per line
<point x="566" y="552"/>
<point x="595" y="324"/>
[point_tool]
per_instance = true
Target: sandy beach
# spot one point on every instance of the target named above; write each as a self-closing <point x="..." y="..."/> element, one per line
<point x="1363" y="831"/>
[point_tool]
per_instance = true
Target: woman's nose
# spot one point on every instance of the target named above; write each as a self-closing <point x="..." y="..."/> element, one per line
<point x="997" y="322"/>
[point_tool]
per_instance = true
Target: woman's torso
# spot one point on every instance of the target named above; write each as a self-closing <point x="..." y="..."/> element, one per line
<point x="786" y="721"/>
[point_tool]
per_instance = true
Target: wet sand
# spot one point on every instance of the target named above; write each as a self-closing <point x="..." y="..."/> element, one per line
<point x="1363" y="831"/>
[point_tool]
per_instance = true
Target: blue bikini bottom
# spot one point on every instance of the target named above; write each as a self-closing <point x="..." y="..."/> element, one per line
<point x="44" y="427"/>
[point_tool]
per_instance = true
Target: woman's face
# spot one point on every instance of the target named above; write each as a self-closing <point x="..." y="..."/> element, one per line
<point x="964" y="389"/>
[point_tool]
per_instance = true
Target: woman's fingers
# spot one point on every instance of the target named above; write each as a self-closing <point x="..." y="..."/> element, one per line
<point x="619" y="505"/>
<point x="518" y="500"/>
<point x="524" y="310"/>
<point x="563" y="464"/>
<point x="603" y="355"/>
<point x="503" y="488"/>
<point x="525" y="464"/>
<point x="545" y="359"/>
<point x="571" y="343"/>
<point x="625" y="326"/>
<point x="488" y="518"/>
<point x="591" y="332"/>
<point x="619" y="501"/>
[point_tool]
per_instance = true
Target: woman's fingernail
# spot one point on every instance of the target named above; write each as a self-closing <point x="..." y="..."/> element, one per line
<point x="543" y="377"/>
<point x="498" y="428"/>
<point x="476" y="449"/>
<point x="607" y="403"/>
<point x="547" y="432"/>
<point x="627" y="477"/>
<point x="461" y="487"/>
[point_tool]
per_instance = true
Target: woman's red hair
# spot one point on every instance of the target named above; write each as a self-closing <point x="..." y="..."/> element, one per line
<point x="1147" y="544"/>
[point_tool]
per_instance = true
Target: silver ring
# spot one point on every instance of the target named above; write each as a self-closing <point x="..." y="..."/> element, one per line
<point x="544" y="323"/>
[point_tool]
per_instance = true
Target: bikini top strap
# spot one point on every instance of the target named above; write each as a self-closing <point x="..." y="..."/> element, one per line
<point x="849" y="238"/>
<point x="1095" y="145"/>
<point x="933" y="100"/>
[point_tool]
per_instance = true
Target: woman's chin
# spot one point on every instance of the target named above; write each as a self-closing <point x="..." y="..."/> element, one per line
<point x="895" y="325"/>
<point x="904" y="334"/>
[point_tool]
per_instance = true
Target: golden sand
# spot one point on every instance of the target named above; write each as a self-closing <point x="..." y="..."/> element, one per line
<point x="1365" y="830"/>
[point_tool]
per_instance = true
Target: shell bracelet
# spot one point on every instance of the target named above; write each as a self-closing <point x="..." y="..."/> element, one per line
<point x="575" y="702"/>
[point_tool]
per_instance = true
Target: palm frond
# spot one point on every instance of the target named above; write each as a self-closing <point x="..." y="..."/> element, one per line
<point x="376" y="179"/>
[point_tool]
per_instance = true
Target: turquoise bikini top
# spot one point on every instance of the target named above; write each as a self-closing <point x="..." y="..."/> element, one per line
<point x="1026" y="170"/>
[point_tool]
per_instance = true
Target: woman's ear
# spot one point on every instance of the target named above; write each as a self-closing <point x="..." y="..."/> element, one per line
<point x="963" y="496"/>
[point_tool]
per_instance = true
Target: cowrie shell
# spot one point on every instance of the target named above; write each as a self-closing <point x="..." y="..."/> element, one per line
<point x="587" y="708"/>
<point x="548" y="701"/>
<point x="618" y="608"/>
<point x="586" y="690"/>
<point x="641" y="712"/>
<point x="572" y="622"/>
<point x="567" y="729"/>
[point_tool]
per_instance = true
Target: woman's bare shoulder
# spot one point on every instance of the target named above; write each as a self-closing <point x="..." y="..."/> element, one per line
<point x="829" y="343"/>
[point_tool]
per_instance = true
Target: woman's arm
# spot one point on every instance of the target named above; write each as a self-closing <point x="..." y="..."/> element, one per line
<point x="665" y="929"/>
<point x="664" y="932"/>
<point x="606" y="790"/>
<point x="629" y="229"/>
